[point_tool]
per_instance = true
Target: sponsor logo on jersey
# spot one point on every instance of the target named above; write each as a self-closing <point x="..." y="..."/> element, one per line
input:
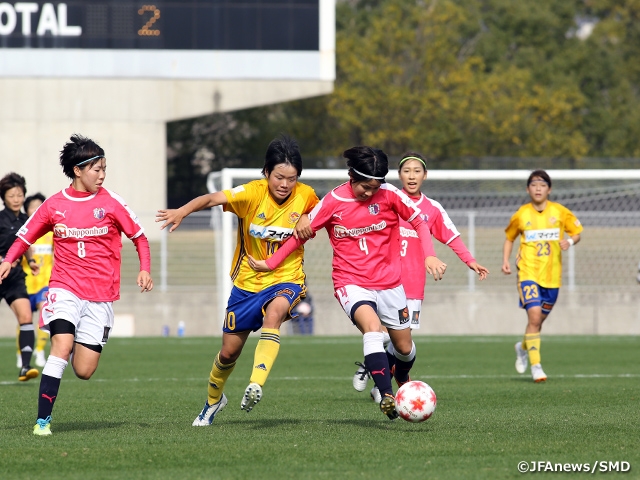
<point x="415" y="318"/>
<point x="528" y="224"/>
<point x="338" y="215"/>
<point x="547" y="306"/>
<point x="42" y="249"/>
<point x="408" y="232"/>
<point x="98" y="213"/>
<point x="294" y="217"/>
<point x="236" y="190"/>
<point x="62" y="231"/>
<point x="270" y="232"/>
<point x="340" y="232"/>
<point x="403" y="315"/>
<point x="62" y="214"/>
<point x="374" y="209"/>
<point x="577" y="223"/>
<point x="546" y="234"/>
<point x="262" y="216"/>
<point x="23" y="231"/>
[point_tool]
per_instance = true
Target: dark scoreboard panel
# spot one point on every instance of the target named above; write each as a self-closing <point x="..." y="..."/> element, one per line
<point x="172" y="25"/>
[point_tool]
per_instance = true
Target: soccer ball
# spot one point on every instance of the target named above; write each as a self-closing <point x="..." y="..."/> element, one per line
<point x="415" y="401"/>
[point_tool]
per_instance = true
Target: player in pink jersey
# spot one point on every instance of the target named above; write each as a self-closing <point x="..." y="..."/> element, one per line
<point x="412" y="170"/>
<point x="362" y="220"/>
<point x="87" y="221"/>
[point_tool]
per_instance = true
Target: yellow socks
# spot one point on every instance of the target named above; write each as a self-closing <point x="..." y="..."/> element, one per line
<point x="265" y="355"/>
<point x="41" y="339"/>
<point x="532" y="345"/>
<point x="217" y="379"/>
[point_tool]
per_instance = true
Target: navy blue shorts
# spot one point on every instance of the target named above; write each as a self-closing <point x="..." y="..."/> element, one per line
<point x="37" y="298"/>
<point x="533" y="295"/>
<point x="245" y="310"/>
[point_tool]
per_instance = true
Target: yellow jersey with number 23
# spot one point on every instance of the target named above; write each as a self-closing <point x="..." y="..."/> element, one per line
<point x="540" y="258"/>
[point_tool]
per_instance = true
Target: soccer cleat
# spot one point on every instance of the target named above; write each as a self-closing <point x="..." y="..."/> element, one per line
<point x="538" y="374"/>
<point x="388" y="406"/>
<point x="40" y="357"/>
<point x="361" y="377"/>
<point x="375" y="395"/>
<point x="27" y="373"/>
<point x="19" y="360"/>
<point x="209" y="412"/>
<point x="252" y="395"/>
<point x="522" y="358"/>
<point x="42" y="426"/>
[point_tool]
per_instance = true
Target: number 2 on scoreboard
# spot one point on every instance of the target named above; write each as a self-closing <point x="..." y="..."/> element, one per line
<point x="146" y="30"/>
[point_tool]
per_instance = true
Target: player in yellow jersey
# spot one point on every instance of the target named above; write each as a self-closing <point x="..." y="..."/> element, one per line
<point x="268" y="211"/>
<point x="37" y="285"/>
<point x="542" y="225"/>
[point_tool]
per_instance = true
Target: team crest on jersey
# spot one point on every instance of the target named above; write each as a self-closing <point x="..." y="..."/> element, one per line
<point x="98" y="213"/>
<point x="262" y="216"/>
<point x="424" y="217"/>
<point x="374" y="209"/>
<point x="403" y="315"/>
<point x="552" y="220"/>
<point x="294" y="217"/>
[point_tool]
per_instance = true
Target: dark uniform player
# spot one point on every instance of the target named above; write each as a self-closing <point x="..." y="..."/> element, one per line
<point x="12" y="191"/>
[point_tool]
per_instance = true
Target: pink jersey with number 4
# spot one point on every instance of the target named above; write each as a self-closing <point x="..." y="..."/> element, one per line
<point x="441" y="227"/>
<point x="364" y="235"/>
<point x="87" y="231"/>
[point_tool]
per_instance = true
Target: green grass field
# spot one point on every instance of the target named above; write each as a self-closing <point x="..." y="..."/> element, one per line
<point x="132" y="420"/>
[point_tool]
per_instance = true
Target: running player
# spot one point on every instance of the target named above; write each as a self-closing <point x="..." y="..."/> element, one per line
<point x="38" y="285"/>
<point x="412" y="170"/>
<point x="361" y="217"/>
<point x="268" y="210"/>
<point x="542" y="225"/>
<point x="87" y="221"/>
<point x="13" y="188"/>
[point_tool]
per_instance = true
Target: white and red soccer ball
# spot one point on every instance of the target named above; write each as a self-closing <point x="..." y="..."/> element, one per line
<point x="415" y="401"/>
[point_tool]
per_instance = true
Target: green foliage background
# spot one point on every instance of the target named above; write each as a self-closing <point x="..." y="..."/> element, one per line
<point x="452" y="79"/>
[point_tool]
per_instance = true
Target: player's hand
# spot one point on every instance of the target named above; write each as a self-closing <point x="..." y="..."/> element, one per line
<point x="506" y="268"/>
<point x="435" y="267"/>
<point x="303" y="228"/>
<point x="144" y="281"/>
<point x="173" y="216"/>
<point x="480" y="270"/>
<point x="35" y="268"/>
<point x="258" y="265"/>
<point x="564" y="244"/>
<point x="5" y="268"/>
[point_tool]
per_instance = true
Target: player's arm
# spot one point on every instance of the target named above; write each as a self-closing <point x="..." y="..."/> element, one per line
<point x="144" y="280"/>
<point x="17" y="249"/>
<point x="463" y="253"/>
<point x="432" y="264"/>
<point x="506" y="253"/>
<point x="175" y="216"/>
<point x="567" y="243"/>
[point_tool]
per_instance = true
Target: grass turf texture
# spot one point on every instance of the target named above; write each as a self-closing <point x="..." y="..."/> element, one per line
<point x="132" y="420"/>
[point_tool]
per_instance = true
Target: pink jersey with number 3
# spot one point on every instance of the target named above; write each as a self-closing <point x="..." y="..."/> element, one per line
<point x="441" y="227"/>
<point x="87" y="231"/>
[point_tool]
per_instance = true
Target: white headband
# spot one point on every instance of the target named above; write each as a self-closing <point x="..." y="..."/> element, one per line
<point x="367" y="176"/>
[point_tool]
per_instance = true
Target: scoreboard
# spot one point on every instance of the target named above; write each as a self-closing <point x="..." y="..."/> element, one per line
<point x="183" y="25"/>
<point x="157" y="39"/>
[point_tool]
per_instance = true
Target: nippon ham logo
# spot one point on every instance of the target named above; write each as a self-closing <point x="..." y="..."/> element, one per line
<point x="340" y="232"/>
<point x="408" y="232"/>
<point x="270" y="232"/>
<point x="62" y="231"/>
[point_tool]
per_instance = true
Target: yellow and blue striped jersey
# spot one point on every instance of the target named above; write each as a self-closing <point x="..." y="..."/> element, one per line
<point x="540" y="257"/>
<point x="262" y="227"/>
<point x="43" y="255"/>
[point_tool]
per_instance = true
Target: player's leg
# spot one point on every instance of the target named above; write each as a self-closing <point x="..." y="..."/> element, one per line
<point x="223" y="365"/>
<point x="18" y="352"/>
<point x="396" y="314"/>
<point x="404" y="353"/>
<point x="276" y="303"/>
<point x="535" y="318"/>
<point x="42" y="336"/>
<point x="62" y="337"/>
<point x="26" y="338"/>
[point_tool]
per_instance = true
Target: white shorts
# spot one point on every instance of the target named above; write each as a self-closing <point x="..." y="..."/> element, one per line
<point x="414" y="306"/>
<point x="390" y="305"/>
<point x="93" y="320"/>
